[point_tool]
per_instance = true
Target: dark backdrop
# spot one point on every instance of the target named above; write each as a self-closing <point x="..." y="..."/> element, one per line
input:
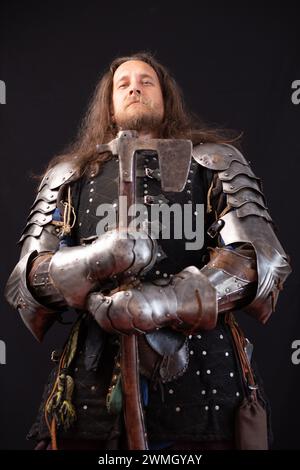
<point x="235" y="65"/>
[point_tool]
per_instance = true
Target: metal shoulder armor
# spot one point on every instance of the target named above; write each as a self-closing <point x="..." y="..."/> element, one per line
<point x="39" y="235"/>
<point x="247" y="220"/>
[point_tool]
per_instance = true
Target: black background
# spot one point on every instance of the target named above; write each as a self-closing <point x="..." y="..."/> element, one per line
<point x="235" y="65"/>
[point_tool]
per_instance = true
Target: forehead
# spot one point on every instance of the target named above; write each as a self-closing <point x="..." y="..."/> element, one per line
<point x="134" y="66"/>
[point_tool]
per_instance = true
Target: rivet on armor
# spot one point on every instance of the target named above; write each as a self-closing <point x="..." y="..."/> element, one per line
<point x="203" y="392"/>
<point x="197" y="372"/>
<point x="145" y="191"/>
<point x="189" y="181"/>
<point x="191" y="352"/>
<point x="231" y="374"/>
<point x="92" y="190"/>
<point x="231" y="186"/>
<point x="227" y="354"/>
<point x="217" y="407"/>
<point x="177" y="409"/>
<point x="157" y="273"/>
<point x="227" y="289"/>
<point x="208" y="371"/>
<point x="221" y="336"/>
<point x="206" y="408"/>
<point x="171" y="391"/>
<point x="190" y="336"/>
<point x="199" y="336"/>
<point x="165" y="275"/>
<point x="204" y="353"/>
<point x="93" y="387"/>
<point x="87" y="211"/>
<point x="237" y="394"/>
<point x="84" y="407"/>
<point x="214" y="391"/>
<point x="91" y="199"/>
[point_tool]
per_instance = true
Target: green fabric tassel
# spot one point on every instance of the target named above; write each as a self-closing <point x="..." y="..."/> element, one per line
<point x="114" y="399"/>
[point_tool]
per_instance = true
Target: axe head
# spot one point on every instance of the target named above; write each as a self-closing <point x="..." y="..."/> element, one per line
<point x="174" y="158"/>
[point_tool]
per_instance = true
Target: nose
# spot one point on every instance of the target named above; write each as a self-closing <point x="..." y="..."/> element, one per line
<point x="134" y="91"/>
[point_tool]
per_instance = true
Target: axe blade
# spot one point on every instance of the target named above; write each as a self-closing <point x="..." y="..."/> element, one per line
<point x="174" y="158"/>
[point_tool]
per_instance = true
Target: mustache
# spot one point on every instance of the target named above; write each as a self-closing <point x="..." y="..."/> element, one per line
<point x="136" y="100"/>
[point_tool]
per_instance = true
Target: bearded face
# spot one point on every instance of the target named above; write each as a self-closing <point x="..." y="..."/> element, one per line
<point x="137" y="101"/>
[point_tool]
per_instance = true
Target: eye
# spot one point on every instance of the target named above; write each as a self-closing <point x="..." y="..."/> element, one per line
<point x="123" y="85"/>
<point x="147" y="82"/>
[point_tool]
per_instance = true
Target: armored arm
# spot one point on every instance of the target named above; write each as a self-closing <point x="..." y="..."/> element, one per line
<point x="48" y="278"/>
<point x="245" y="220"/>
<point x="246" y="270"/>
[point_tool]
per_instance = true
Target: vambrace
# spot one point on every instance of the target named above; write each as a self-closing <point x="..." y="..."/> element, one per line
<point x="35" y="315"/>
<point x="191" y="302"/>
<point x="272" y="262"/>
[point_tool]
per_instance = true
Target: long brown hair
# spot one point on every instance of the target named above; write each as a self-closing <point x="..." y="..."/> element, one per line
<point x="97" y="126"/>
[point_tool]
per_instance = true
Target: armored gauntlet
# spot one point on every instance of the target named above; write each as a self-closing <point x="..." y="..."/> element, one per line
<point x="190" y="302"/>
<point x="73" y="272"/>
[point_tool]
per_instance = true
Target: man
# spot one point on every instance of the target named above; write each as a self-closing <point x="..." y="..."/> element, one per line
<point x="193" y="377"/>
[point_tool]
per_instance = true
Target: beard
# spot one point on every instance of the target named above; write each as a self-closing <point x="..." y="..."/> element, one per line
<point x="146" y="121"/>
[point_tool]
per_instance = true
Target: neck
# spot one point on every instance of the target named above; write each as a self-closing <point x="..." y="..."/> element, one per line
<point x="148" y="135"/>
